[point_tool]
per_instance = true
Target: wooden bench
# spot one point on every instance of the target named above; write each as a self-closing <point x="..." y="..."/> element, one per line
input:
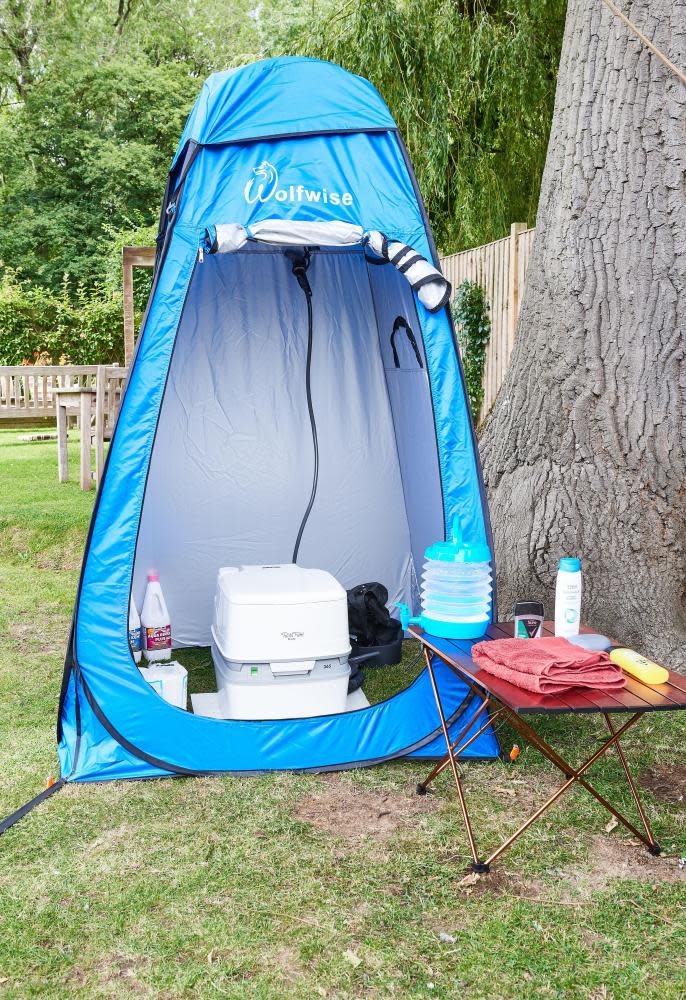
<point x="110" y="383"/>
<point x="27" y="392"/>
<point x="501" y="700"/>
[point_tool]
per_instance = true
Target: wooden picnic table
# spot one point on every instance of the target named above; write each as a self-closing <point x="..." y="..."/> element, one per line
<point x="500" y="700"/>
<point x="78" y="401"/>
<point x="96" y="407"/>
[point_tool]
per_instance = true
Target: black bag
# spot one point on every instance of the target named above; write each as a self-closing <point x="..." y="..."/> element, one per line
<point x="370" y="624"/>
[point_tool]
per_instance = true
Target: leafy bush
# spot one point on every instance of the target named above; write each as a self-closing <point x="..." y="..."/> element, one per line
<point x="81" y="328"/>
<point x="471" y="314"/>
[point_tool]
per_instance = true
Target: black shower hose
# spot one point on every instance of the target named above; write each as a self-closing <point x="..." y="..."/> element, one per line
<point x="300" y="265"/>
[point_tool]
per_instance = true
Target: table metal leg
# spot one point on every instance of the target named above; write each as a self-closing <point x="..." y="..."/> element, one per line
<point x="654" y="847"/>
<point x="574" y="775"/>
<point x="477" y="864"/>
<point x="458" y="747"/>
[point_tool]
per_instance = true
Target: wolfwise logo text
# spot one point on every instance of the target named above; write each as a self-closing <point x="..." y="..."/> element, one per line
<point x="263" y="185"/>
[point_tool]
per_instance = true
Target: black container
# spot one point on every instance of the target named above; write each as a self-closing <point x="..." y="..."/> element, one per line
<point x="386" y="654"/>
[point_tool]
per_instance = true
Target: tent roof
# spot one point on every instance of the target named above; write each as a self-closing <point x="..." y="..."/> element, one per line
<point x="290" y="95"/>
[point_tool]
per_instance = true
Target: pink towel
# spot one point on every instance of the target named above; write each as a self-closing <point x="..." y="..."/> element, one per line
<point x="547" y="666"/>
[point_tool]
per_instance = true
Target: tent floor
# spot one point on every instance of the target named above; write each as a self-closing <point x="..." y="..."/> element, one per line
<point x="210" y="705"/>
<point x="380" y="683"/>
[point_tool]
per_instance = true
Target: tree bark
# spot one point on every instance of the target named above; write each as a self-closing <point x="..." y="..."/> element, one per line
<point x="584" y="450"/>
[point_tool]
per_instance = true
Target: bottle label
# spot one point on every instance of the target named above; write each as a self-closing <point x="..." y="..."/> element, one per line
<point x="135" y="639"/>
<point x="528" y="628"/>
<point x="158" y="637"/>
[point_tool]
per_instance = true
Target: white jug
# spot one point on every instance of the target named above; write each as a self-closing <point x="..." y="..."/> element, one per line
<point x="155" y="623"/>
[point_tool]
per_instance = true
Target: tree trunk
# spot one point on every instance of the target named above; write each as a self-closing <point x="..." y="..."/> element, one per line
<point x="584" y="450"/>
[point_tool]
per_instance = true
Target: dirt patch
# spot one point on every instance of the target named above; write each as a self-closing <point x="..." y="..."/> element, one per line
<point x="111" y="840"/>
<point x="353" y="813"/>
<point x="112" y="969"/>
<point x="498" y="882"/>
<point x="609" y="858"/>
<point x="121" y="968"/>
<point x="17" y="540"/>
<point x="612" y="857"/>
<point x="287" y="964"/>
<point x="628" y="859"/>
<point x="61" y="557"/>
<point x="45" y="630"/>
<point x="76" y="977"/>
<point x="667" y="783"/>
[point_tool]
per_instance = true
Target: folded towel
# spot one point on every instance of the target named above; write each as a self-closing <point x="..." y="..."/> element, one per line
<point x="547" y="666"/>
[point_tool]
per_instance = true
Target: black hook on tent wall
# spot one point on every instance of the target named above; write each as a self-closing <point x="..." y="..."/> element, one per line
<point x="300" y="262"/>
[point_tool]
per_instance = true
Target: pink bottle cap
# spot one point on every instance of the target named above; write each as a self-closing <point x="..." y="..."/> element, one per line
<point x="153" y="576"/>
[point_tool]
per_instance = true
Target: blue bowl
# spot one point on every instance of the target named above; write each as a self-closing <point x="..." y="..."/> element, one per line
<point x="454" y="630"/>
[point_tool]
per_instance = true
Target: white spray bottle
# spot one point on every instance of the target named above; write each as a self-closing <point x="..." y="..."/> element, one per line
<point x="155" y="623"/>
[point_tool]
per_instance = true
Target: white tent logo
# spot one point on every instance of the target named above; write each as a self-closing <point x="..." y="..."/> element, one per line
<point x="263" y="185"/>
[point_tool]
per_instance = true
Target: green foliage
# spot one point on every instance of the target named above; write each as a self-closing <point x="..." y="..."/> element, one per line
<point x="88" y="150"/>
<point x="93" y="97"/>
<point x="471" y="315"/>
<point x="96" y="105"/>
<point x="39" y="325"/>
<point x="111" y="267"/>
<point x="471" y="85"/>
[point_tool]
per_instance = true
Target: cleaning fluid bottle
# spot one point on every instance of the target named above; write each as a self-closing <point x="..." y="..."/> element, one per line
<point x="134" y="631"/>
<point x="568" y="598"/>
<point x="155" y="624"/>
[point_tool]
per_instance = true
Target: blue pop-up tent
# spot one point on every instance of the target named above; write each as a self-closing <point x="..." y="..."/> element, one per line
<point x="296" y="302"/>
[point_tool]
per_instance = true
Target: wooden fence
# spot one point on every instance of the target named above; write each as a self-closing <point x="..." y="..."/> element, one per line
<point x="500" y="268"/>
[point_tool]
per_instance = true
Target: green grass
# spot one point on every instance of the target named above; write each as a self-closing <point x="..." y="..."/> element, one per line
<point x="221" y="888"/>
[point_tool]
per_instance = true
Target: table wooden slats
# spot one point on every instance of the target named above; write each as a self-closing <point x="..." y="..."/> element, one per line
<point x="636" y="696"/>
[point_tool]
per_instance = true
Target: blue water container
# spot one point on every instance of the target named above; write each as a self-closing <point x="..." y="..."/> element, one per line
<point x="457" y="590"/>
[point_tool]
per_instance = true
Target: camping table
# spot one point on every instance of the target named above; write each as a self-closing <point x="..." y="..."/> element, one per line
<point x="499" y="699"/>
<point x="74" y="400"/>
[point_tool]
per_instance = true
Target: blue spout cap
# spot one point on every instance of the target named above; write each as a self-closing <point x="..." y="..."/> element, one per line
<point x="456" y="550"/>
<point x="406" y="618"/>
<point x="570" y="565"/>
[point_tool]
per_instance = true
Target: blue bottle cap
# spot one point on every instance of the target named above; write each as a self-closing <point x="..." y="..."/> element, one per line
<point x="570" y="565"/>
